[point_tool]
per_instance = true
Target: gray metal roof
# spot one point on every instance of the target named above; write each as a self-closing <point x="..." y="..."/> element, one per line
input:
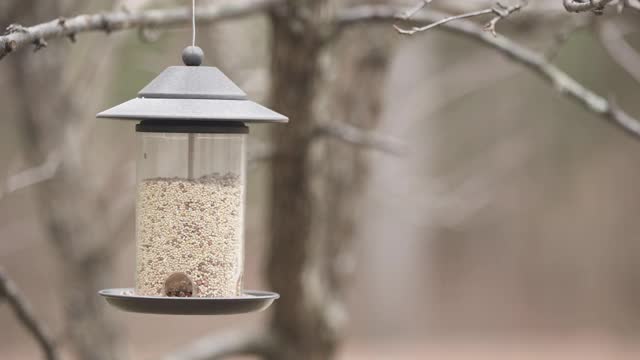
<point x="192" y="93"/>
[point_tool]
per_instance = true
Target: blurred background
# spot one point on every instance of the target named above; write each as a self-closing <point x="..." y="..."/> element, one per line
<point x="505" y="228"/>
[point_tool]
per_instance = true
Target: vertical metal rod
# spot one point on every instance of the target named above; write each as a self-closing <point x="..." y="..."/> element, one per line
<point x="191" y="150"/>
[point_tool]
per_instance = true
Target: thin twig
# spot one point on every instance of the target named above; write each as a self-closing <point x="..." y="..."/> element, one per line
<point x="22" y="309"/>
<point x="415" y="29"/>
<point x="534" y="61"/>
<point x="499" y="10"/>
<point x="19" y="36"/>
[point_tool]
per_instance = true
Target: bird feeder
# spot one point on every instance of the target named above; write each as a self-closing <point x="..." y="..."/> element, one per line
<point x="191" y="186"/>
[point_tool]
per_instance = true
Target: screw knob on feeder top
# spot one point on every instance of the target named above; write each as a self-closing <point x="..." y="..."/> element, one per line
<point x="192" y="56"/>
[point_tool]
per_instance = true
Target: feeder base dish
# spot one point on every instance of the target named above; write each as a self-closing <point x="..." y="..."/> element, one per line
<point x="251" y="301"/>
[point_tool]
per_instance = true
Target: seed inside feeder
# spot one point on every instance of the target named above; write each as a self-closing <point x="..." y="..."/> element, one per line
<point x="190" y="236"/>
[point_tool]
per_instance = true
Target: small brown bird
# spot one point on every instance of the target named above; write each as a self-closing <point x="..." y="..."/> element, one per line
<point x="178" y="285"/>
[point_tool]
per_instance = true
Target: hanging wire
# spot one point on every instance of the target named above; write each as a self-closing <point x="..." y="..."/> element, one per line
<point x="193" y="22"/>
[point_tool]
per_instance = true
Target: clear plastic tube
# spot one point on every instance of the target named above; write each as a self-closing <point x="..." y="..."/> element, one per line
<point x="190" y="214"/>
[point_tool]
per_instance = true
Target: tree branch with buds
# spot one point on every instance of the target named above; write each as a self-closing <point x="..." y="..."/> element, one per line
<point x="538" y="63"/>
<point x="18" y="36"/>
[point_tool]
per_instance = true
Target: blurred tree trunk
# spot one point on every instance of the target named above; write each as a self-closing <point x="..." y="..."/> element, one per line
<point x="301" y="326"/>
<point x="312" y="210"/>
<point x="74" y="218"/>
<point x="355" y="94"/>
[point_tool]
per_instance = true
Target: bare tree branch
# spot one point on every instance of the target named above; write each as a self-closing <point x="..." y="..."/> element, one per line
<point x="498" y="9"/>
<point x="596" y="6"/>
<point x="534" y="61"/>
<point x="218" y="346"/>
<point x="545" y="9"/>
<point x="612" y="39"/>
<point x="22" y="309"/>
<point x="357" y="137"/>
<point x="18" y="36"/>
<point x="32" y="176"/>
<point x="502" y="11"/>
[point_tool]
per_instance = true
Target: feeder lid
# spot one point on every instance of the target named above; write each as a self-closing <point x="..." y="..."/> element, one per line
<point x="193" y="92"/>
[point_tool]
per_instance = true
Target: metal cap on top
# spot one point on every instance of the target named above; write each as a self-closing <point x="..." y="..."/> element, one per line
<point x="193" y="93"/>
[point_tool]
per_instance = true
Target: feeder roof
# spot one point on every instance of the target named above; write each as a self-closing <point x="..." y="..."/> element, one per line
<point x="192" y="93"/>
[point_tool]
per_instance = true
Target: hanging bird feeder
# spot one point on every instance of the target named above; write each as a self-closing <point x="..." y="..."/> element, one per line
<point x="191" y="180"/>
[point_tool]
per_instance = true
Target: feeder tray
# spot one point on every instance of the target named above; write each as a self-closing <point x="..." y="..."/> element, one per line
<point x="126" y="300"/>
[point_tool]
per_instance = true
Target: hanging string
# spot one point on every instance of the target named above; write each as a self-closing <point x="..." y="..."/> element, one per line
<point x="193" y="22"/>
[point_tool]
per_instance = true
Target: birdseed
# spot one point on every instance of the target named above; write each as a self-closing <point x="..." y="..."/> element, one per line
<point x="190" y="236"/>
